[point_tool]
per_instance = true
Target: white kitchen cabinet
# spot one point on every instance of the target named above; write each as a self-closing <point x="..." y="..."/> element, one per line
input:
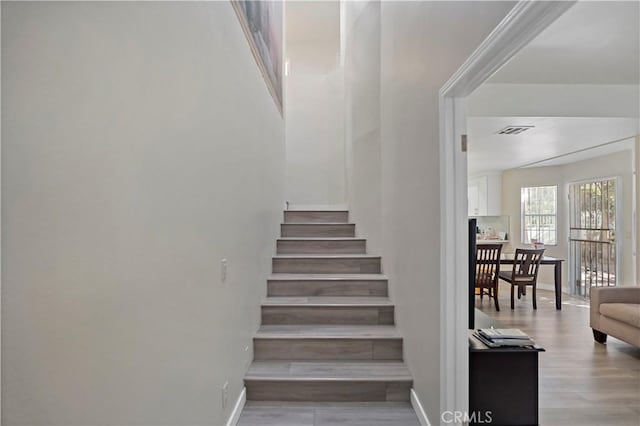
<point x="477" y="195"/>
<point x="485" y="195"/>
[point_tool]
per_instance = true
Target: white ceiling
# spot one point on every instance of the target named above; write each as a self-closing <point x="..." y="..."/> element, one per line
<point x="593" y="42"/>
<point x="610" y="148"/>
<point x="550" y="138"/>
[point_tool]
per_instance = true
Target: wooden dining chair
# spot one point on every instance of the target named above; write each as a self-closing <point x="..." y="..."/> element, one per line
<point x="487" y="270"/>
<point x="526" y="264"/>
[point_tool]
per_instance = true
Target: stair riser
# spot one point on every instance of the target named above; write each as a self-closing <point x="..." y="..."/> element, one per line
<point x="292" y="216"/>
<point x="319" y="230"/>
<point x="327" y="266"/>
<point x="277" y="288"/>
<point x="330" y="315"/>
<point x="327" y="349"/>
<point x="322" y="247"/>
<point x="322" y="390"/>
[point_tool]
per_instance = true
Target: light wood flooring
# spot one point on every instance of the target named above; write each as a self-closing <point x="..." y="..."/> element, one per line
<point x="581" y="382"/>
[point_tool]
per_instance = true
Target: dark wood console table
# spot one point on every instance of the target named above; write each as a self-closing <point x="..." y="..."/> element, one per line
<point x="503" y="381"/>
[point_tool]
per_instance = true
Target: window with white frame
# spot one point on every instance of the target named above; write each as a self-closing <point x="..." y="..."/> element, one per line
<point x="539" y="210"/>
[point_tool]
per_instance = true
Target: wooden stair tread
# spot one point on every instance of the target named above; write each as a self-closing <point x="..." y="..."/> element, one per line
<point x="341" y="285"/>
<point x="326" y="256"/>
<point x="317" y="229"/>
<point x="332" y="405"/>
<point x="328" y="301"/>
<point x="329" y="371"/>
<point x="318" y="223"/>
<point x="326" y="277"/>
<point x="327" y="332"/>
<point x="321" y="239"/>
<point x="294" y="210"/>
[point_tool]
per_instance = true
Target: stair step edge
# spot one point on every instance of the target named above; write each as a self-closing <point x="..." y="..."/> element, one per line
<point x="326" y="256"/>
<point x="280" y="378"/>
<point x="329" y="370"/>
<point x="328" y="331"/>
<point x="318" y="223"/>
<point x="327" y="277"/>
<point x="261" y="336"/>
<point x="335" y="301"/>
<point x="321" y="239"/>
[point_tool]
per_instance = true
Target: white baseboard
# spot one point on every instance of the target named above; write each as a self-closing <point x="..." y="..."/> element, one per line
<point x="237" y="408"/>
<point x="550" y="287"/>
<point x="545" y="286"/>
<point x="417" y="407"/>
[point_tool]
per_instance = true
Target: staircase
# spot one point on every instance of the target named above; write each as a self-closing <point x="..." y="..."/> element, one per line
<point x="328" y="330"/>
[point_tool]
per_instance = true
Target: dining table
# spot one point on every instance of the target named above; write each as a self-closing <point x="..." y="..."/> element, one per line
<point x="507" y="259"/>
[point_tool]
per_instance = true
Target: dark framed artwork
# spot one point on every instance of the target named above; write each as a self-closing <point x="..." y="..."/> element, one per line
<point x="262" y="23"/>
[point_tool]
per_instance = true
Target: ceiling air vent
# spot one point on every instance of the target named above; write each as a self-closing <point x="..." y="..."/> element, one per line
<point x="514" y="130"/>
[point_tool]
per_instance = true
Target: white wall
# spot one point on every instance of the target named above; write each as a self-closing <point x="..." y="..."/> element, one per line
<point x="140" y="146"/>
<point x="421" y="44"/>
<point x="314" y="113"/>
<point x="362" y="118"/>
<point x="619" y="164"/>
<point x="494" y="194"/>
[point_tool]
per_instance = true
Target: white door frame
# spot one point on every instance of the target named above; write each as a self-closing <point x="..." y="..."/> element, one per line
<point x="522" y="24"/>
<point x="634" y="212"/>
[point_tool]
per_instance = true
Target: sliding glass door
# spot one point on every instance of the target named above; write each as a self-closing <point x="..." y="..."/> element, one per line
<point x="592" y="235"/>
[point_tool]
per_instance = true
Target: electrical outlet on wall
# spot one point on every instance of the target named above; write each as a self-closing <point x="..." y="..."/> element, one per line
<point x="223" y="270"/>
<point x="225" y="394"/>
